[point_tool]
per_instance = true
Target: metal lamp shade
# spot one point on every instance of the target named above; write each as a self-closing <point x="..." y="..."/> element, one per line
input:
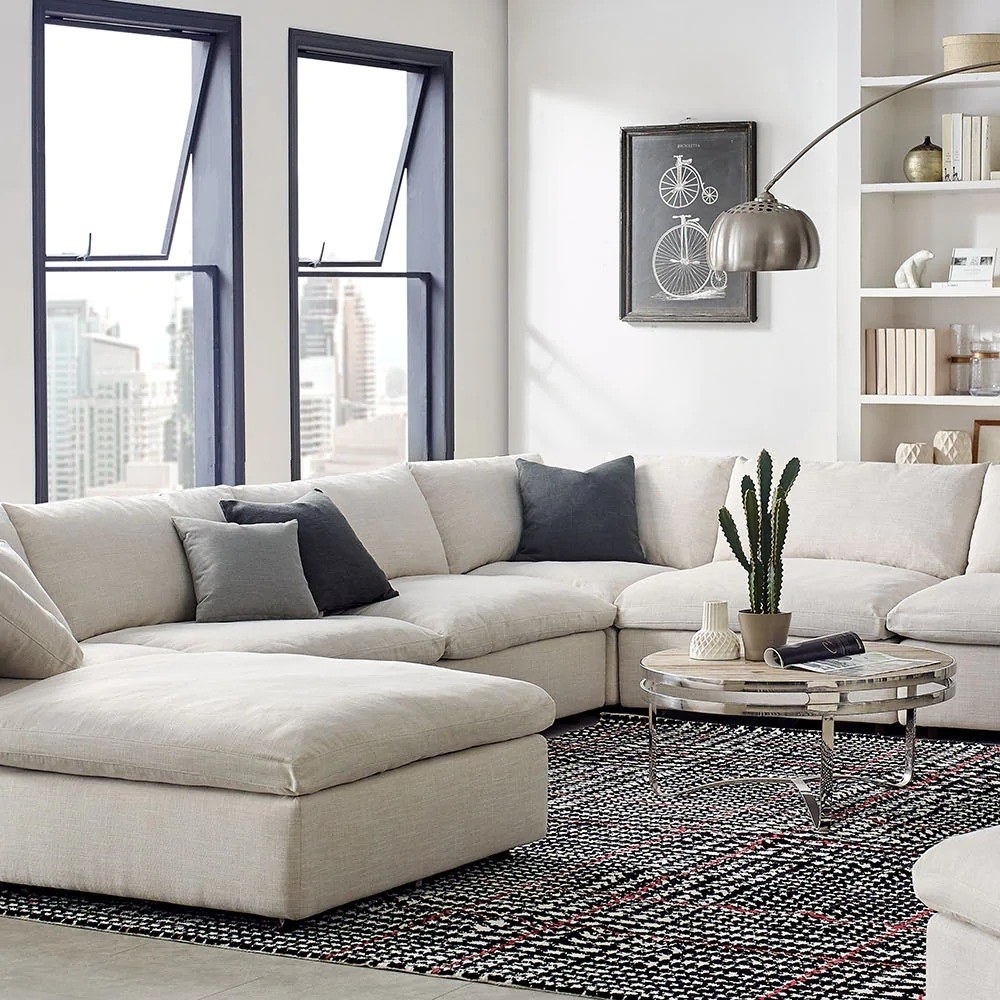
<point x="763" y="235"/>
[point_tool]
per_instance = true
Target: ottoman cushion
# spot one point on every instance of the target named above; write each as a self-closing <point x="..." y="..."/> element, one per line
<point x="281" y="724"/>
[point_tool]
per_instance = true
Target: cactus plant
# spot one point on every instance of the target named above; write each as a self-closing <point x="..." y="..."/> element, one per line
<point x="766" y="514"/>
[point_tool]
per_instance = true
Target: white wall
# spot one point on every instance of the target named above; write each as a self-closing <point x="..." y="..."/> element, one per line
<point x="475" y="32"/>
<point x="584" y="385"/>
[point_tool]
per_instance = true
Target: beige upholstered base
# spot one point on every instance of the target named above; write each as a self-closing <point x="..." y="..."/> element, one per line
<point x="976" y="704"/>
<point x="634" y="644"/>
<point x="963" y="961"/>
<point x="275" y="855"/>
<point x="572" y="669"/>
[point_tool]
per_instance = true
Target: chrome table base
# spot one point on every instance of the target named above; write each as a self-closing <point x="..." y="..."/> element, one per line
<point x="818" y="801"/>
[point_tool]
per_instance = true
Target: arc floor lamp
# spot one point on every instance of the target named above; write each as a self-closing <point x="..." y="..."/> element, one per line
<point x="766" y="235"/>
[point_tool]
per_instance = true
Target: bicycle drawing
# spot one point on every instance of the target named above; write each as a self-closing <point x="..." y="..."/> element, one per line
<point x="681" y="184"/>
<point x="680" y="262"/>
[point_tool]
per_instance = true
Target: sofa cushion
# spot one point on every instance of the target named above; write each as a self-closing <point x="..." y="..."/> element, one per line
<point x="916" y="517"/>
<point x="8" y="534"/>
<point x="110" y="562"/>
<point x="245" y="572"/>
<point x="965" y="609"/>
<point x="605" y="580"/>
<point x="35" y="641"/>
<point x="391" y="517"/>
<point x="483" y="614"/>
<point x="960" y="876"/>
<point x="824" y="595"/>
<point x="984" y="549"/>
<point x="279" y="724"/>
<point x="570" y="515"/>
<point x="352" y="636"/>
<point x="476" y="507"/>
<point x="339" y="570"/>
<point x="678" y="498"/>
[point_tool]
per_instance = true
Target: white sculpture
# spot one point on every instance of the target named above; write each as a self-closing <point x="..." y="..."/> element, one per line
<point x="910" y="274"/>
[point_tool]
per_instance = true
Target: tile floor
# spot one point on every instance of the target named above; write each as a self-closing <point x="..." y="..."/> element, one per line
<point x="50" y="962"/>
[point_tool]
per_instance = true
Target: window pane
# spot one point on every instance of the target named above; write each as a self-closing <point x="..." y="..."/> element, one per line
<point x="351" y="126"/>
<point x="116" y="111"/>
<point x="352" y="373"/>
<point x="121" y="358"/>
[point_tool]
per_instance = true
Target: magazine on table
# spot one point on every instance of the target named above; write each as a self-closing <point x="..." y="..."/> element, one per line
<point x="842" y="653"/>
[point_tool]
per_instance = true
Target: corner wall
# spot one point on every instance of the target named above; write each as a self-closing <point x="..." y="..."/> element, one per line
<point x="476" y="32"/>
<point x="585" y="386"/>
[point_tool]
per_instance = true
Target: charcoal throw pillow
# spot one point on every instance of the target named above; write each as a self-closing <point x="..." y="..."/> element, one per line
<point x="572" y="516"/>
<point x="340" y="571"/>
<point x="245" y="572"/>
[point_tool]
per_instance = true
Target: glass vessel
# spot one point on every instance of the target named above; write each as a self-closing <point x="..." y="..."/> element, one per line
<point x="963" y="336"/>
<point x="985" y="369"/>
<point x="961" y="374"/>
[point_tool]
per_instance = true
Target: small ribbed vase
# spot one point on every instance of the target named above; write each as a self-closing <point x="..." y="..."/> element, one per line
<point x="715" y="640"/>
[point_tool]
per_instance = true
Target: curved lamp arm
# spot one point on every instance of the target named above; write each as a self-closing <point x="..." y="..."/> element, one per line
<point x="871" y="104"/>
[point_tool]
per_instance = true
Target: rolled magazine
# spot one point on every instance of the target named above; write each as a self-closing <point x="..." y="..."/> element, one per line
<point x="826" y="647"/>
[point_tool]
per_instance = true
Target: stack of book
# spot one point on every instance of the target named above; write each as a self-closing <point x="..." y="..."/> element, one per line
<point x="970" y="147"/>
<point x="901" y="362"/>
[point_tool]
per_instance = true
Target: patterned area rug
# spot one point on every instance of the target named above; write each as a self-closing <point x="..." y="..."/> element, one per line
<point x="717" y="895"/>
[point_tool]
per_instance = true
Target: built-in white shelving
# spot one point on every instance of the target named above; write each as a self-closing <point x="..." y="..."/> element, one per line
<point x="930" y="400"/>
<point x="948" y="83"/>
<point x="884" y="45"/>
<point x="932" y="187"/>
<point x="930" y="293"/>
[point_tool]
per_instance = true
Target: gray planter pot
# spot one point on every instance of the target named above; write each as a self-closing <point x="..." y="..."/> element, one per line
<point x="763" y="631"/>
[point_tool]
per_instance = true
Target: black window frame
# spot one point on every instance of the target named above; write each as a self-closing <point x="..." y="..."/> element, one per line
<point x="216" y="178"/>
<point x="427" y="156"/>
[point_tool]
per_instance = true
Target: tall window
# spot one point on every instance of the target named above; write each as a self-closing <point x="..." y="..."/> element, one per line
<point x="370" y="172"/>
<point x="137" y="255"/>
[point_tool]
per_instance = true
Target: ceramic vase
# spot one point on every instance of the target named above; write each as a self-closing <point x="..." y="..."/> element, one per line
<point x="760" y="632"/>
<point x="715" y="640"/>
<point x="916" y="453"/>
<point x="952" y="448"/>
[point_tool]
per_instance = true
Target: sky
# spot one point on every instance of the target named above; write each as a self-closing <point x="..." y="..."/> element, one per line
<point x="116" y="110"/>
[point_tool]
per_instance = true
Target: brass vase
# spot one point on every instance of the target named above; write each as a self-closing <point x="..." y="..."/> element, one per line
<point x="923" y="163"/>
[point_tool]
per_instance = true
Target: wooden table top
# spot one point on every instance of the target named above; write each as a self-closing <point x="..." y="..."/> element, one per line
<point x="677" y="664"/>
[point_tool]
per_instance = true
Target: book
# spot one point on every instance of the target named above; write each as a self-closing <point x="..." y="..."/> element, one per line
<point x="956" y="147"/>
<point x="871" y="380"/>
<point x="921" y="362"/>
<point x="976" y="149"/>
<point x="900" y="362"/>
<point x="911" y="362"/>
<point x="966" y="174"/>
<point x="881" y="366"/>
<point x="890" y="362"/>
<point x="938" y="365"/>
<point x="946" y="158"/>
<point x="857" y="665"/>
<point x="826" y="647"/>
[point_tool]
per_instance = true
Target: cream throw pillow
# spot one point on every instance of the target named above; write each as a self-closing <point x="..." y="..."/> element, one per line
<point x="35" y="641"/>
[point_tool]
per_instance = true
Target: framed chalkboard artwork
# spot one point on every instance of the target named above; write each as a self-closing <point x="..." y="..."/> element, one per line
<point x="676" y="179"/>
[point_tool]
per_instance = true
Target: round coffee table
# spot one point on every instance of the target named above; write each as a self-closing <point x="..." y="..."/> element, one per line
<point x="672" y="681"/>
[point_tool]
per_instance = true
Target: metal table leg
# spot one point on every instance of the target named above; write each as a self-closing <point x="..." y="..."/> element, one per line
<point x="909" y="746"/>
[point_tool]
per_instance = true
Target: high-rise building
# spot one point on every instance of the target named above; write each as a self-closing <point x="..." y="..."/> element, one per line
<point x="359" y="388"/>
<point x="319" y="307"/>
<point x="178" y="434"/>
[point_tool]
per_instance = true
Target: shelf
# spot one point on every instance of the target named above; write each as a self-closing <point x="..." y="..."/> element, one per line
<point x="930" y="400"/>
<point x="930" y="293"/>
<point x="932" y="187"/>
<point x="948" y="83"/>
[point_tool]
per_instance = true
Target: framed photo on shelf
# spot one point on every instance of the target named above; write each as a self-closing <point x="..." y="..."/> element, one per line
<point x="986" y="441"/>
<point x="675" y="181"/>
<point x="973" y="265"/>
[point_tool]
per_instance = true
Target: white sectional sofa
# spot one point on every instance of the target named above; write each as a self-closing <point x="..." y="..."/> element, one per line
<point x="282" y="767"/>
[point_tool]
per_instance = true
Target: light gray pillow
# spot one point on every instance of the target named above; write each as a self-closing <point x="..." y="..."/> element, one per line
<point x="245" y="572"/>
<point x="35" y="641"/>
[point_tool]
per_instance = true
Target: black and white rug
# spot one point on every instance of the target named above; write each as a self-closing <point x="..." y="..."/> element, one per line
<point x="718" y="895"/>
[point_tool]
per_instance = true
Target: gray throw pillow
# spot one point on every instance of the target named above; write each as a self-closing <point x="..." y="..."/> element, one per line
<point x="245" y="572"/>
<point x="575" y="516"/>
<point x="35" y="641"/>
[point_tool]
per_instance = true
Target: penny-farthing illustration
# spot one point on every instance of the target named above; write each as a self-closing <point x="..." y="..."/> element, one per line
<point x="681" y="185"/>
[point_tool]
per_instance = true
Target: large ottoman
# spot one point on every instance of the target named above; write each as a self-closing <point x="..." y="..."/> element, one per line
<point x="273" y="784"/>
<point x="960" y="878"/>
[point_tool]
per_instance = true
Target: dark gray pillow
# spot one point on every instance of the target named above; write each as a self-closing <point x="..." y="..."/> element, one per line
<point x="574" y="516"/>
<point x="245" y="572"/>
<point x="340" y="571"/>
